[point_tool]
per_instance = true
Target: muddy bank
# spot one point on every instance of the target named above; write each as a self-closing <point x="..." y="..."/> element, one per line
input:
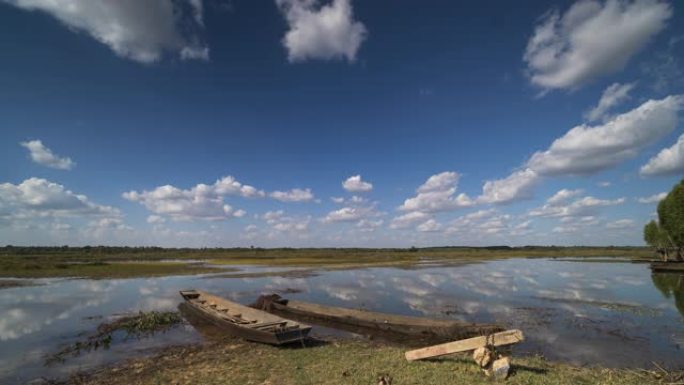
<point x="10" y="283"/>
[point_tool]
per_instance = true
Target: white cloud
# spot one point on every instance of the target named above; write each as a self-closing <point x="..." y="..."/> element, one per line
<point x="565" y="229"/>
<point x="350" y="214"/>
<point x="563" y="195"/>
<point x="44" y="156"/>
<point x="437" y="194"/>
<point x="409" y="219"/>
<point x="559" y="205"/>
<point x="430" y="225"/>
<point x="200" y="202"/>
<point x="138" y="30"/>
<point x="474" y="224"/>
<point x="294" y="195"/>
<point x="356" y="184"/>
<point x="282" y="223"/>
<point x="669" y="161"/>
<point x="338" y="200"/>
<point x="38" y="198"/>
<point x="621" y="224"/>
<point x="604" y="184"/>
<point x="109" y="224"/>
<point x="368" y="225"/>
<point x="155" y="219"/>
<point x="612" y="96"/>
<point x="589" y="149"/>
<point x="319" y="31"/>
<point x="655" y="198"/>
<point x="591" y="39"/>
<point x="517" y="186"/>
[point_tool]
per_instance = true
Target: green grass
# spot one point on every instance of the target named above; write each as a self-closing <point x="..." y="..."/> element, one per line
<point x="98" y="270"/>
<point x="343" y="363"/>
<point x="115" y="262"/>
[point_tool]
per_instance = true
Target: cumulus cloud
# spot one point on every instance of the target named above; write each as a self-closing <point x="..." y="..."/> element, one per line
<point x="39" y="198"/>
<point x="589" y="149"/>
<point x="559" y="205"/>
<point x="44" y="156"/>
<point x="350" y="214"/>
<point x="669" y="161"/>
<point x="142" y="31"/>
<point x="429" y="226"/>
<point x="155" y="219"/>
<point x="437" y="194"/>
<point x="356" y="184"/>
<point x="655" y="198"/>
<point x="369" y="225"/>
<point x="282" y="223"/>
<point x="200" y="202"/>
<point x="474" y="224"/>
<point x="612" y="96"/>
<point x="517" y="186"/>
<point x="321" y="31"/>
<point x="591" y="39"/>
<point x="294" y="195"/>
<point x="407" y="220"/>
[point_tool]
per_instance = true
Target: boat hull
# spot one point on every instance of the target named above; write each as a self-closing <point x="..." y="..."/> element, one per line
<point x="433" y="329"/>
<point x="275" y="336"/>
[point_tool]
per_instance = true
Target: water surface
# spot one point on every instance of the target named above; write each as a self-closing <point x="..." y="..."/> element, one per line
<point x="612" y="314"/>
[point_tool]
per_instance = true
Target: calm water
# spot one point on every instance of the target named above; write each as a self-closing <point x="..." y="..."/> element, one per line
<point x="613" y="314"/>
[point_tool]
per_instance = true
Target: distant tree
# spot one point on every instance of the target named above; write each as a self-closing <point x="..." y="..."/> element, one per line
<point x="668" y="233"/>
<point x="656" y="237"/>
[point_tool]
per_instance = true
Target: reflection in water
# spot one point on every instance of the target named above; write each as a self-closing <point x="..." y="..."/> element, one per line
<point x="613" y="314"/>
<point x="671" y="285"/>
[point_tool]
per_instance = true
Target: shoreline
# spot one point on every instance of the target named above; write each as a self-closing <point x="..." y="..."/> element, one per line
<point x="340" y="361"/>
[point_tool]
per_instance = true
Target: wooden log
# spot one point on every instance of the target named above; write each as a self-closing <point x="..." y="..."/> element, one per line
<point x="507" y="337"/>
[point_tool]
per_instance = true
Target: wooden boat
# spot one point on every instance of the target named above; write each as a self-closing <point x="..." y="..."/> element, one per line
<point x="244" y="321"/>
<point x="440" y="329"/>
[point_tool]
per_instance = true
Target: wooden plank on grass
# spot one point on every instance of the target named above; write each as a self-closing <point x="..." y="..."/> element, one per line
<point x="507" y="337"/>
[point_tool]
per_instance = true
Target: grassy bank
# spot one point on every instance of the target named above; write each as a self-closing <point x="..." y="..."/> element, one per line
<point x="96" y="270"/>
<point x="347" y="362"/>
<point x="114" y="262"/>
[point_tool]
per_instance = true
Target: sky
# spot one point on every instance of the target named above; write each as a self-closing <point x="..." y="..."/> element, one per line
<point x="337" y="123"/>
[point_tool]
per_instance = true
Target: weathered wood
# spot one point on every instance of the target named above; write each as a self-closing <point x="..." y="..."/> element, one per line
<point x="507" y="337"/>
<point x="266" y="324"/>
<point x="245" y="322"/>
<point x="389" y="323"/>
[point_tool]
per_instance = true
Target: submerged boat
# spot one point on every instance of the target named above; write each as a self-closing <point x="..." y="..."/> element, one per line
<point x="436" y="329"/>
<point x="244" y="321"/>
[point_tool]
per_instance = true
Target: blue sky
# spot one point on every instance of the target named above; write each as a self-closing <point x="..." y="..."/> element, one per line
<point x="236" y="123"/>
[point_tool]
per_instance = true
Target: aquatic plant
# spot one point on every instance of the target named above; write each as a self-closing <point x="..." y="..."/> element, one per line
<point x="140" y="325"/>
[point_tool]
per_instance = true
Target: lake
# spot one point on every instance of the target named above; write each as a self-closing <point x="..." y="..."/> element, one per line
<point x="614" y="314"/>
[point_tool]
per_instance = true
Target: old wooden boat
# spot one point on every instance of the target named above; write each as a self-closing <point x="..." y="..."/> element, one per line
<point x="244" y="321"/>
<point x="439" y="329"/>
